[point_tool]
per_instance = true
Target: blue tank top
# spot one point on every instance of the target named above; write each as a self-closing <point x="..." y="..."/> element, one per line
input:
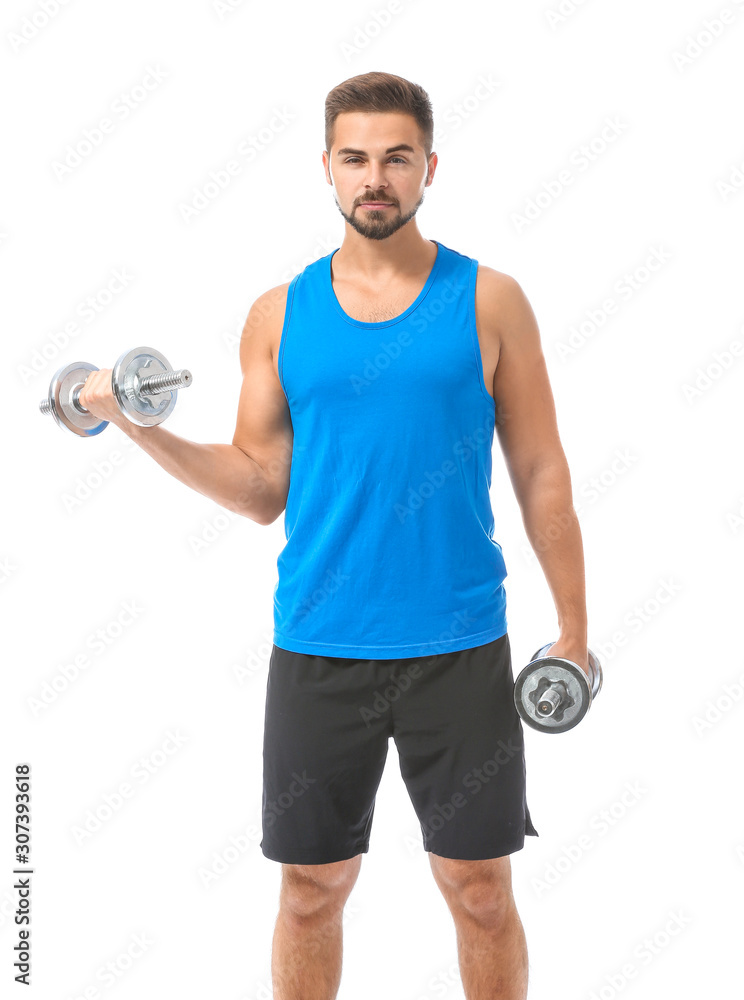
<point x="389" y="528"/>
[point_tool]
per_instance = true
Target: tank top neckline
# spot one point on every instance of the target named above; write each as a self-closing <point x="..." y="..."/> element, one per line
<point x="388" y="322"/>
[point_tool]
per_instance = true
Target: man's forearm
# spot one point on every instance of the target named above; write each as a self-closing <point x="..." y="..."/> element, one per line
<point x="221" y="472"/>
<point x="551" y="524"/>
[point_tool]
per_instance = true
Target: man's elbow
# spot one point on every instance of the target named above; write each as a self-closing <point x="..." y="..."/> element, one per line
<point x="257" y="504"/>
<point x="549" y="476"/>
<point x="547" y="467"/>
<point x="272" y="517"/>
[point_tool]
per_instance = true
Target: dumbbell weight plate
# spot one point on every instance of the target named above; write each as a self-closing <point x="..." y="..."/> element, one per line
<point x="568" y="677"/>
<point x="127" y="375"/>
<point x="63" y="385"/>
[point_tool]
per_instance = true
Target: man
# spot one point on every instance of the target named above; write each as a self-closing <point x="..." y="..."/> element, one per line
<point x="373" y="383"/>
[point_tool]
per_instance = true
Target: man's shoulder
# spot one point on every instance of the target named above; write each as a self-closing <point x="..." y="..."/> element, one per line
<point x="502" y="308"/>
<point x="271" y="302"/>
<point x="496" y="292"/>
<point x="266" y="318"/>
<point x="496" y="282"/>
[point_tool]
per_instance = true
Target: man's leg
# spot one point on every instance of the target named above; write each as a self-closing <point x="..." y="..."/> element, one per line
<point x="491" y="945"/>
<point x="307" y="946"/>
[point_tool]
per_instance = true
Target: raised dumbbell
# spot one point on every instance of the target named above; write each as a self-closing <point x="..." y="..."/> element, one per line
<point x="144" y="385"/>
<point x="553" y="694"/>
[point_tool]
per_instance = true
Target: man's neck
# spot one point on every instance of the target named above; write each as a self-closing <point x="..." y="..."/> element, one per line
<point x="377" y="259"/>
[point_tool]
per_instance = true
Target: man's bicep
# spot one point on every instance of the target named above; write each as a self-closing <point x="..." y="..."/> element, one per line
<point x="526" y="423"/>
<point x="263" y="428"/>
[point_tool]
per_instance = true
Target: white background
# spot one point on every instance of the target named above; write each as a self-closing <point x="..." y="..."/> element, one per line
<point x="663" y="533"/>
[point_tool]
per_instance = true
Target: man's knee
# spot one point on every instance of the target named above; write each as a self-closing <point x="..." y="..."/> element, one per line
<point x="308" y="889"/>
<point x="481" y="888"/>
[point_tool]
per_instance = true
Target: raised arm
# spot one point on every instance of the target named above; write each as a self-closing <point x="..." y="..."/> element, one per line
<point x="251" y="475"/>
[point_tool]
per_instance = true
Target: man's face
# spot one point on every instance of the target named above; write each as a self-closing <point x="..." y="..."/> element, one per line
<point x="378" y="158"/>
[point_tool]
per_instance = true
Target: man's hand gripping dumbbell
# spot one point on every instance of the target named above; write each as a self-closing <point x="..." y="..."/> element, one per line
<point x="557" y="687"/>
<point x="141" y="388"/>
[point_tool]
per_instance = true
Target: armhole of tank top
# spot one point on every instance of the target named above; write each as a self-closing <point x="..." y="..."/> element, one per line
<point x="474" y="333"/>
<point x="285" y="329"/>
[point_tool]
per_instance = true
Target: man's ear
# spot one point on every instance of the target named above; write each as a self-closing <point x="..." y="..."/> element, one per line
<point x="328" y="168"/>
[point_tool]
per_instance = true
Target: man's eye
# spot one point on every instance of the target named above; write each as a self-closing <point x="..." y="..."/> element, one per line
<point x="350" y="159"/>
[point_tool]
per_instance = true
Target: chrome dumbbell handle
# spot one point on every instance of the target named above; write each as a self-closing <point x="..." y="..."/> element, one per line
<point x="151" y="385"/>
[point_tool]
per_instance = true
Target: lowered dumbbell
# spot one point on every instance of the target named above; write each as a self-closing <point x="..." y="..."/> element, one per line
<point x="144" y="385"/>
<point x="554" y="694"/>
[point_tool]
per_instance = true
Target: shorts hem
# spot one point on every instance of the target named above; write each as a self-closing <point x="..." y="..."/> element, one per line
<point x="481" y="855"/>
<point x="308" y="856"/>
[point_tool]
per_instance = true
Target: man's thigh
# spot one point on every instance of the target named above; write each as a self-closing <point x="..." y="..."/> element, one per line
<point x="323" y="758"/>
<point x="460" y="742"/>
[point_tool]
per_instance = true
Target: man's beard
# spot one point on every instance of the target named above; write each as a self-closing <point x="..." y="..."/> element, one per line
<point x="381" y="224"/>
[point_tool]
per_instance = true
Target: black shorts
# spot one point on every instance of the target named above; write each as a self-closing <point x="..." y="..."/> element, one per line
<point x="459" y="739"/>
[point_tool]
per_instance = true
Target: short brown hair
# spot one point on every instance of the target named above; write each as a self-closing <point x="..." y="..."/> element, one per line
<point x="380" y="92"/>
